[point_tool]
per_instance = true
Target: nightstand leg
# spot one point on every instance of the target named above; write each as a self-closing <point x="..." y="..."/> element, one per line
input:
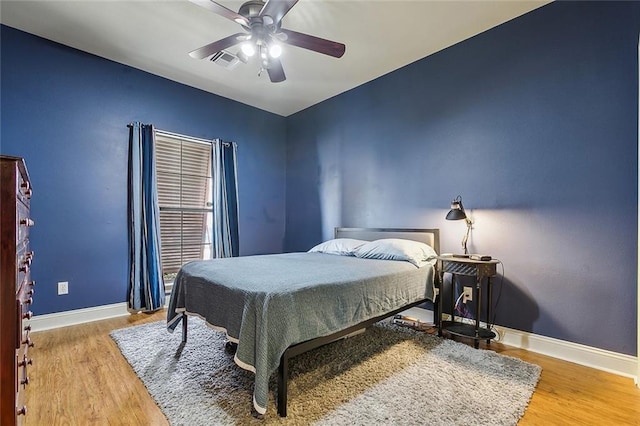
<point x="439" y="301"/>
<point x="476" y="342"/>
<point x="489" y="304"/>
<point x="453" y="298"/>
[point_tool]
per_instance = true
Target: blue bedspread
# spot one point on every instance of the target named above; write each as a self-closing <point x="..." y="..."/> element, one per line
<point x="268" y="303"/>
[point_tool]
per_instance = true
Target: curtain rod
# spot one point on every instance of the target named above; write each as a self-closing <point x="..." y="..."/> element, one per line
<point x="185" y="137"/>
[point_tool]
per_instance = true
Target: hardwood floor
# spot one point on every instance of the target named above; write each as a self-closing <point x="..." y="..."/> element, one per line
<point x="79" y="377"/>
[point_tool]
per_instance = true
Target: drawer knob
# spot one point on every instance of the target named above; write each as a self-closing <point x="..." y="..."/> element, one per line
<point x="26" y="188"/>
<point x="22" y="411"/>
<point x="31" y="291"/>
<point x="25" y="361"/>
<point x="28" y="342"/>
<point x="25" y="381"/>
<point x="28" y="301"/>
<point x="24" y="268"/>
<point x="27" y="222"/>
<point x="30" y="254"/>
<point x="28" y="315"/>
<point x="32" y="283"/>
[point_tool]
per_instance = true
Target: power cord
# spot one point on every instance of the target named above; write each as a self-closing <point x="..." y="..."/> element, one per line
<point x="455" y="307"/>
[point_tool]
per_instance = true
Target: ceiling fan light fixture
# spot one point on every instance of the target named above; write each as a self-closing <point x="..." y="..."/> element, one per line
<point x="275" y="50"/>
<point x="248" y="48"/>
<point x="261" y="21"/>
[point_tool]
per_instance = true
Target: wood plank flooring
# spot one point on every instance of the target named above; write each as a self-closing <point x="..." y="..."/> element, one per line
<point x="79" y="377"/>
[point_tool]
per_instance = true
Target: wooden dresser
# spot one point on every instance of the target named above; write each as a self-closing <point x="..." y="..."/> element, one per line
<point x="16" y="288"/>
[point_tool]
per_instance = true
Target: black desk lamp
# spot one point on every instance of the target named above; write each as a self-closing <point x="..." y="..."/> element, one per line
<point x="457" y="213"/>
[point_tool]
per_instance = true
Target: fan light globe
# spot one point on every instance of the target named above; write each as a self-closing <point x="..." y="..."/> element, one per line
<point x="248" y="49"/>
<point x="275" y="50"/>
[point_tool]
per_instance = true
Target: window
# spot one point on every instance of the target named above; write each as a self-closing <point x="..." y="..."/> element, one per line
<point x="183" y="167"/>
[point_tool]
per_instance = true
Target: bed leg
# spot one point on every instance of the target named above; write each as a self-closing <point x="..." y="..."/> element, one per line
<point x="283" y="379"/>
<point x="184" y="329"/>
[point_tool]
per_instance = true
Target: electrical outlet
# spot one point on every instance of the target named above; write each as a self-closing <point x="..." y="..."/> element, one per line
<point x="63" y="287"/>
<point x="467" y="293"/>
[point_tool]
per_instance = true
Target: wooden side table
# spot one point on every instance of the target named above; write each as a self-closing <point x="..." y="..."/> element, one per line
<point x="483" y="271"/>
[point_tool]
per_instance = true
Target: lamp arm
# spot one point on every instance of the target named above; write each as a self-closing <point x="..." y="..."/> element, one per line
<point x="466" y="235"/>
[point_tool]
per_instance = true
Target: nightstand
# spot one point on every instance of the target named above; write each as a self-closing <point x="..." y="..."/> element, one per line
<point x="483" y="272"/>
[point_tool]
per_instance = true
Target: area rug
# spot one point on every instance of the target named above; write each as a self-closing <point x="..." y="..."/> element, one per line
<point x="386" y="375"/>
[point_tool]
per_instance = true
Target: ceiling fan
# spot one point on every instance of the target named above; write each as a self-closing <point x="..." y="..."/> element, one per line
<point x="261" y="21"/>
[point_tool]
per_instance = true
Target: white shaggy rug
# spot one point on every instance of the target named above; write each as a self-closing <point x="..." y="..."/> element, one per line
<point x="386" y="375"/>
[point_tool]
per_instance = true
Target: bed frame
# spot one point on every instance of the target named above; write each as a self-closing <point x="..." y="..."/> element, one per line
<point x="428" y="236"/>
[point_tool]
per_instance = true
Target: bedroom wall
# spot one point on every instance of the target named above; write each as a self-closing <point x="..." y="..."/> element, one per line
<point x="534" y="123"/>
<point x="66" y="112"/>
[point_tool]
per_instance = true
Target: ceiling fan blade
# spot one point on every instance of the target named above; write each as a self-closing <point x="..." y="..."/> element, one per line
<point x="275" y="70"/>
<point x="222" y="11"/>
<point x="276" y="9"/>
<point x="316" y="44"/>
<point x="217" y="46"/>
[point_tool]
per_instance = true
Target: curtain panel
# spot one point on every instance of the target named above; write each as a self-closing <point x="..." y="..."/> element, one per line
<point x="146" y="285"/>
<point x="224" y="166"/>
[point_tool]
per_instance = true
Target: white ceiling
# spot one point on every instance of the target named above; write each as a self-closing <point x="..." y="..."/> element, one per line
<point x="156" y="36"/>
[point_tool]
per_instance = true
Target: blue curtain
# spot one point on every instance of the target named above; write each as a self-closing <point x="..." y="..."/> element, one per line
<point x="224" y="170"/>
<point x="146" y="285"/>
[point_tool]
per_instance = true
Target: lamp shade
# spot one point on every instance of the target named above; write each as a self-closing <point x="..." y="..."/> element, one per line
<point x="457" y="210"/>
<point x="456" y="214"/>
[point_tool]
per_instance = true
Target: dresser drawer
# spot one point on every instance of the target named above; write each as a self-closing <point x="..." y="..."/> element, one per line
<point x="24" y="223"/>
<point x="24" y="258"/>
<point x="24" y="301"/>
<point x="26" y="291"/>
<point x="25" y="343"/>
<point x="23" y="364"/>
<point x="24" y="191"/>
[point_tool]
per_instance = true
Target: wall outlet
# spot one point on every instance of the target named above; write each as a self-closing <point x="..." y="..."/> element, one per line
<point x="467" y="294"/>
<point x="63" y="287"/>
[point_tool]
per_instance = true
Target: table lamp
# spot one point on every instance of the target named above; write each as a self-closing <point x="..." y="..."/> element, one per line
<point x="456" y="213"/>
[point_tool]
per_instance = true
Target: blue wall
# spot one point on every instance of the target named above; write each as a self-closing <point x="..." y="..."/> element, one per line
<point x="66" y="112"/>
<point x="534" y="123"/>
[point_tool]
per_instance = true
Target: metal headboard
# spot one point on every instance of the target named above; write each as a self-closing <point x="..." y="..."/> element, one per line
<point x="427" y="236"/>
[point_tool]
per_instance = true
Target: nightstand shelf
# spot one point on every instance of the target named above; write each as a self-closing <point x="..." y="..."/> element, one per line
<point x="467" y="330"/>
<point x="483" y="272"/>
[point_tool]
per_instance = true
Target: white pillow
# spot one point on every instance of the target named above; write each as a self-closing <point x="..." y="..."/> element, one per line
<point x="418" y="253"/>
<point x="339" y="246"/>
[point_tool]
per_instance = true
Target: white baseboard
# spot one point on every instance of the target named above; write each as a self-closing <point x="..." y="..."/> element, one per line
<point x="601" y="359"/>
<point x="77" y="316"/>
<point x="81" y="316"/>
<point x="613" y="362"/>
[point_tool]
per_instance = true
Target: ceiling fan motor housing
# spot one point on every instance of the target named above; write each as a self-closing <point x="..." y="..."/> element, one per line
<point x="259" y="25"/>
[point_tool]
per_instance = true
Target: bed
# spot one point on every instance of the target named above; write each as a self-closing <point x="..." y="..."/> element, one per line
<point x="274" y="307"/>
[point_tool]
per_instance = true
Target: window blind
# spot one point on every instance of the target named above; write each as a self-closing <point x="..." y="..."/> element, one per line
<point x="184" y="180"/>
